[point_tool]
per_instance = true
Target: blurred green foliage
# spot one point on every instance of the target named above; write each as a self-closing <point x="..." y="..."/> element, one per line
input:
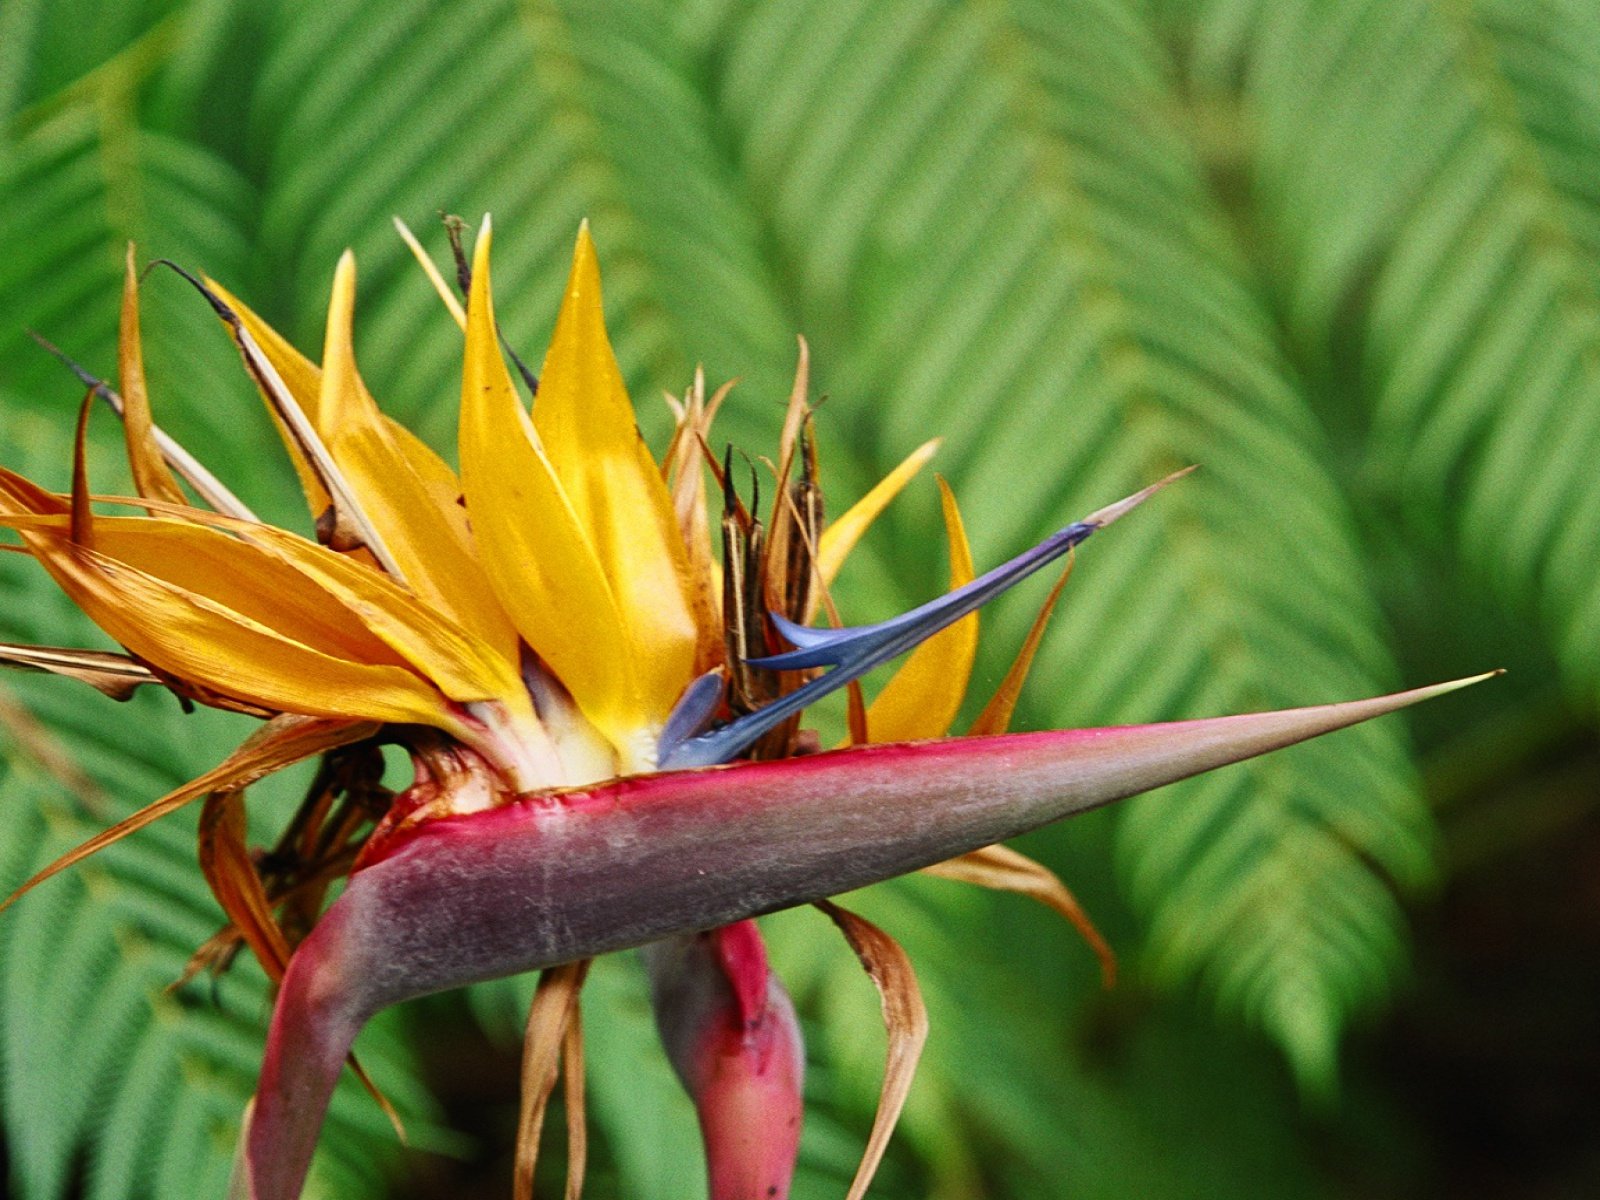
<point x="1342" y="253"/>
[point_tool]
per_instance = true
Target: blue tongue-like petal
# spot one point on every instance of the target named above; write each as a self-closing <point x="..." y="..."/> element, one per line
<point x="857" y="643"/>
<point x="692" y="712"/>
<point x="855" y="650"/>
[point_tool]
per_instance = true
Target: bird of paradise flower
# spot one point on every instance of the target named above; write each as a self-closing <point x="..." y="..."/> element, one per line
<point x="602" y="716"/>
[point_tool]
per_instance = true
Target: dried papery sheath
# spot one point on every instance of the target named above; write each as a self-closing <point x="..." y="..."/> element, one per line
<point x="603" y="713"/>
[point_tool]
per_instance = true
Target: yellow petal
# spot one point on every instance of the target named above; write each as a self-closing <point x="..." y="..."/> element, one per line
<point x="533" y="547"/>
<point x="151" y="475"/>
<point x="197" y="639"/>
<point x="405" y="490"/>
<point x="283" y="624"/>
<point x="277" y="744"/>
<point x="922" y="698"/>
<point x="585" y="422"/>
<point x="839" y="538"/>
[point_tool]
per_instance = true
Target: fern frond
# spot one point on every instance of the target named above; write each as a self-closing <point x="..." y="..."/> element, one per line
<point x="100" y="1065"/>
<point x="1030" y="262"/>
<point x="1429" y="196"/>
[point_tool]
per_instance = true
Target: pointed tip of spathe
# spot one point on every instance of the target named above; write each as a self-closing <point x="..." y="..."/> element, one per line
<point x="1455" y="685"/>
<point x="1398" y="700"/>
<point x="1102" y="517"/>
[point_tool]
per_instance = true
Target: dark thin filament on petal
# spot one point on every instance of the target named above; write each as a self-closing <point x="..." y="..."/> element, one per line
<point x="206" y="485"/>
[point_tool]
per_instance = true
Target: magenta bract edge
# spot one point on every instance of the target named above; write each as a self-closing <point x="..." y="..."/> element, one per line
<point x="550" y="879"/>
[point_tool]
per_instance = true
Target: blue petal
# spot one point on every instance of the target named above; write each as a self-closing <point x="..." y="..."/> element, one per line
<point x="839" y="647"/>
<point x="692" y="712"/>
<point x="852" y="652"/>
<point x="855" y="650"/>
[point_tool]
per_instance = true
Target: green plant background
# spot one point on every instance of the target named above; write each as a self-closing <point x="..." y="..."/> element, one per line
<point x="1342" y="253"/>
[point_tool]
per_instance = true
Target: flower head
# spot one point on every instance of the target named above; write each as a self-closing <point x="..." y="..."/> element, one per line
<point x="602" y="713"/>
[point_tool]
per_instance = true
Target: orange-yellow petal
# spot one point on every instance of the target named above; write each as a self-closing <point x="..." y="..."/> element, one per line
<point x="840" y="537"/>
<point x="194" y="559"/>
<point x="922" y="698"/>
<point x="225" y="862"/>
<point x="533" y="547"/>
<point x="197" y="639"/>
<point x="585" y="422"/>
<point x="278" y="622"/>
<point x="151" y="476"/>
<point x="463" y="666"/>
<point x="405" y="490"/>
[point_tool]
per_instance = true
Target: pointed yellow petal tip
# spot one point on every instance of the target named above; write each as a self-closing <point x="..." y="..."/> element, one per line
<point x="343" y="301"/>
<point x="480" y="268"/>
<point x="585" y="278"/>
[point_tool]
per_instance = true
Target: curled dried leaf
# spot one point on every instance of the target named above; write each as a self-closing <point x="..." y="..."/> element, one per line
<point x="225" y="861"/>
<point x="905" y="1019"/>
<point x="280" y="742"/>
<point x="577" y="1123"/>
<point x="555" y="1004"/>
<point x="1007" y="870"/>
<point x="115" y="675"/>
